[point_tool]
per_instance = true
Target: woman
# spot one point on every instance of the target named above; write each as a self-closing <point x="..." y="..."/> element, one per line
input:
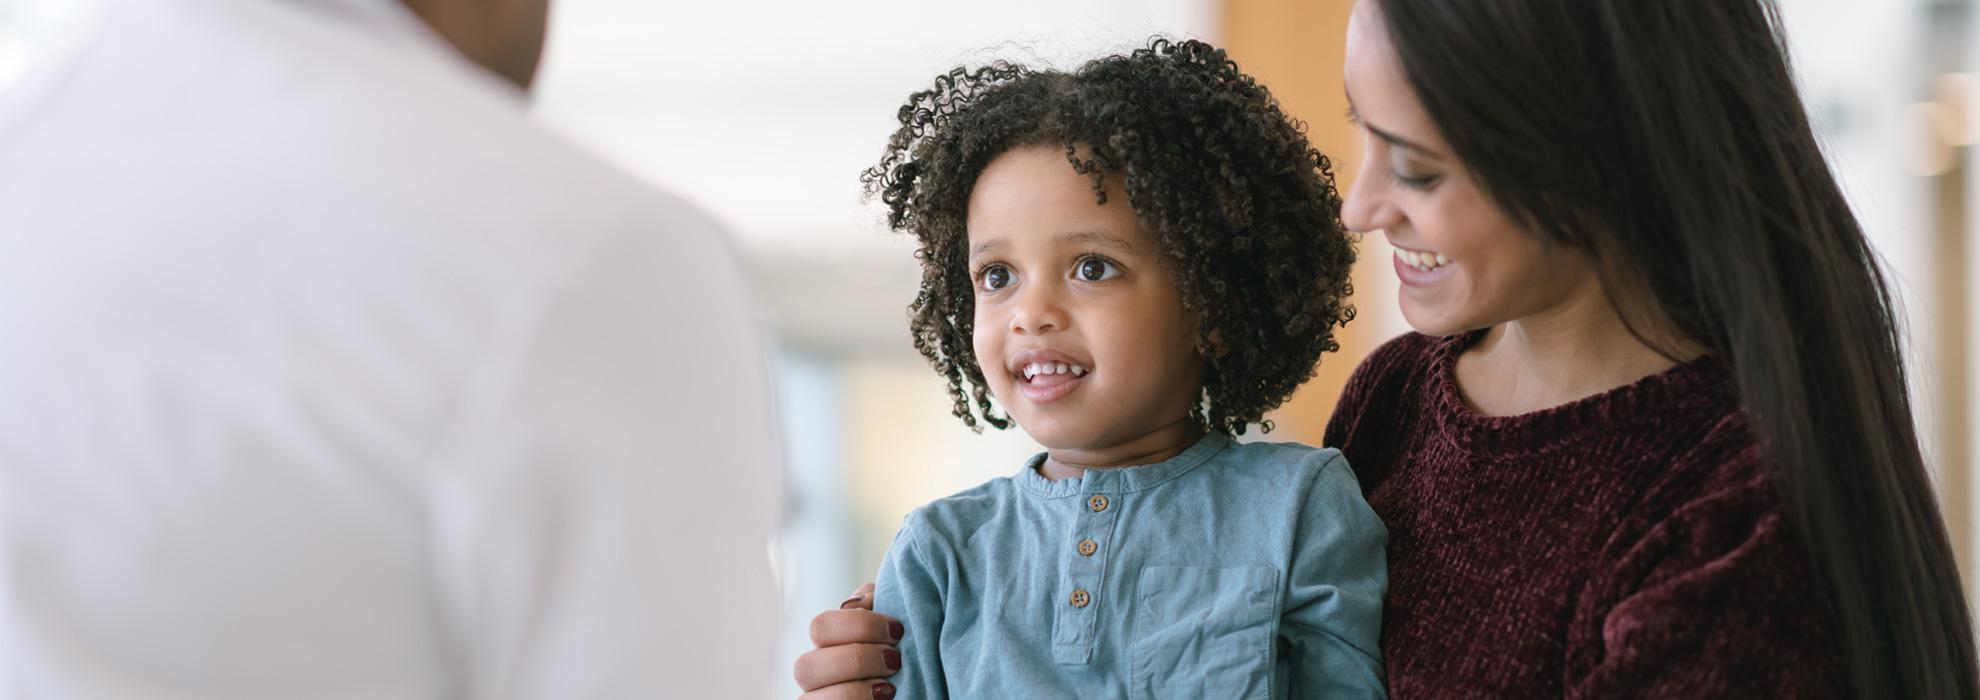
<point x="1654" y="436"/>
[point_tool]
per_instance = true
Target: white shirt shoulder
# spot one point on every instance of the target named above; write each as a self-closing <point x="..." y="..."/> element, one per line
<point x="325" y="372"/>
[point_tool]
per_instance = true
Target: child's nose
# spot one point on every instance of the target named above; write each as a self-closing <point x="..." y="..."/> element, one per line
<point x="1038" y="311"/>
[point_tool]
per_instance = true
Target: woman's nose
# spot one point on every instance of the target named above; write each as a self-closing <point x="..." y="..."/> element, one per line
<point x="1367" y="207"/>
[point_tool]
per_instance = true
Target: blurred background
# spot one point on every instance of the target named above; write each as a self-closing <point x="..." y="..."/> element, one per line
<point x="766" y="112"/>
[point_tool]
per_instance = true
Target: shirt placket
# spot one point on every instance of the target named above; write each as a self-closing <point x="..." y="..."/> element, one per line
<point x="1087" y="549"/>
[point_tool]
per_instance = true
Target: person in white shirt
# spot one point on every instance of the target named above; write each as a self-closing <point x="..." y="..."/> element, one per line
<point x="326" y="373"/>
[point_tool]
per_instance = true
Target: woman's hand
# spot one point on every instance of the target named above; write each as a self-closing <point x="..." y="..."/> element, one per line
<point x="854" y="654"/>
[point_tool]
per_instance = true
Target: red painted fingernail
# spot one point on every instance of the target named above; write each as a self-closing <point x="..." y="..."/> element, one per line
<point x="883" y="691"/>
<point x="893" y="659"/>
<point x="848" y="603"/>
<point x="895" y="628"/>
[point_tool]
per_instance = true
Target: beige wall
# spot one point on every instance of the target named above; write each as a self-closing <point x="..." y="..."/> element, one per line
<point x="1295" y="47"/>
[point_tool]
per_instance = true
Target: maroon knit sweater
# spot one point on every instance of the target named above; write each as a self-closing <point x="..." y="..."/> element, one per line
<point x="1625" y="545"/>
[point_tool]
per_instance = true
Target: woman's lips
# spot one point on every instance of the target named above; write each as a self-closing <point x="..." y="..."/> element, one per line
<point x="1415" y="277"/>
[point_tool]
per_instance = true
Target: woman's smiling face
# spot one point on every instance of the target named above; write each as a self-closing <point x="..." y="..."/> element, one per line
<point x="1464" y="264"/>
<point x="1079" y="328"/>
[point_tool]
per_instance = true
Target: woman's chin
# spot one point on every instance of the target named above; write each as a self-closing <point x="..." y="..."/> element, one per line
<point x="1432" y="320"/>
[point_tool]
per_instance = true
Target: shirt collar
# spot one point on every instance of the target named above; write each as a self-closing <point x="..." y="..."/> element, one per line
<point x="1122" y="479"/>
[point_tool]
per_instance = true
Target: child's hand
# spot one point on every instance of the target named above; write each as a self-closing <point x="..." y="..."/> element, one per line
<point x="854" y="653"/>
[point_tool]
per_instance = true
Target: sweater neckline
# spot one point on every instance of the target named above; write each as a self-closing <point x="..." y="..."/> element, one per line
<point x="1647" y="403"/>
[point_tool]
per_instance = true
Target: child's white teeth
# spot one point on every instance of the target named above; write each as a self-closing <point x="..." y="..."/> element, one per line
<point x="1037" y="368"/>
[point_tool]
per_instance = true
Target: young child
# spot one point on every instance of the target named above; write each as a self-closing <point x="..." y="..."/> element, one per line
<point x="1136" y="260"/>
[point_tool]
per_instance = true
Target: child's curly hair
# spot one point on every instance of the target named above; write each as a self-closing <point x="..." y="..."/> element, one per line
<point x="1244" y="209"/>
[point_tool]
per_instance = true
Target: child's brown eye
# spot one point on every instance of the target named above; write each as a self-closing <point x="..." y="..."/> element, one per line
<point x="1095" y="270"/>
<point x="996" y="277"/>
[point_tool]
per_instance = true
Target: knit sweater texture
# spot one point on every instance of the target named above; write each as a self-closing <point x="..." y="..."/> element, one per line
<point x="1629" y="544"/>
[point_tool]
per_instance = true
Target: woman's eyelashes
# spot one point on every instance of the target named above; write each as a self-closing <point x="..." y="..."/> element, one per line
<point x="1411" y="178"/>
<point x="996" y="276"/>
<point x="1414" y="182"/>
<point x="1399" y="172"/>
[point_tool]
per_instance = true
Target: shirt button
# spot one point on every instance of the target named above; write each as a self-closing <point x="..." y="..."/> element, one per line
<point x="1080" y="598"/>
<point x="1088" y="547"/>
<point x="1097" y="503"/>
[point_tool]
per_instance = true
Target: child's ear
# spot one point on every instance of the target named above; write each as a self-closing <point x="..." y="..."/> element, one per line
<point x="1210" y="346"/>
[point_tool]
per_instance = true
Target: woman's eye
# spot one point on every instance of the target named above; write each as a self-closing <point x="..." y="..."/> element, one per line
<point x="1409" y="177"/>
<point x="1415" y="182"/>
<point x="1095" y="270"/>
<point x="996" y="277"/>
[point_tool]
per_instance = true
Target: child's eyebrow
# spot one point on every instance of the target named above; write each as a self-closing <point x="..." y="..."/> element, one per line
<point x="1097" y="240"/>
<point x="1093" y="239"/>
<point x="989" y="246"/>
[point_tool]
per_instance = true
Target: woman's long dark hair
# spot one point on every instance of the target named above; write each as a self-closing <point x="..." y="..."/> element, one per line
<point x="1666" y="139"/>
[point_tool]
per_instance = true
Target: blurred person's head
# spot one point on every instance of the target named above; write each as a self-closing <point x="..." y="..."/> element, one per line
<point x="1143" y="243"/>
<point x="1653" y="161"/>
<point x="504" y="36"/>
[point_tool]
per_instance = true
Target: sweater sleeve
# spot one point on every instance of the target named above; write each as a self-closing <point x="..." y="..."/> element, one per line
<point x="1332" y="626"/>
<point x="1714" y="599"/>
<point x="910" y="588"/>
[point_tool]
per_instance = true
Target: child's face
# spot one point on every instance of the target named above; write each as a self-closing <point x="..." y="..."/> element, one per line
<point x="1064" y="281"/>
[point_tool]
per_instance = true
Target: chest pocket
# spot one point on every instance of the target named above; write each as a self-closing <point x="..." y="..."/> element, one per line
<point x="1203" y="632"/>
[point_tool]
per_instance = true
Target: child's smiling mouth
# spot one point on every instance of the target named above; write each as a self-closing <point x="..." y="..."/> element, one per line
<point x="1047" y="375"/>
<point x="1031" y="371"/>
